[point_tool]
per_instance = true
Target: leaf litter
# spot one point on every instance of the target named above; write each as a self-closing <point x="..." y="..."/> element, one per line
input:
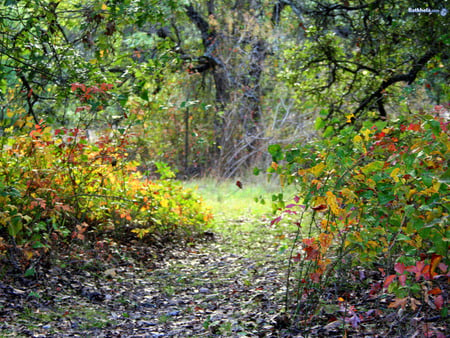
<point x="210" y="286"/>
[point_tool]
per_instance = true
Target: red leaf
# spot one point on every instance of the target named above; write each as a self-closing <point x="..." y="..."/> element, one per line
<point x="389" y="279"/>
<point x="402" y="280"/>
<point x="417" y="269"/>
<point x="414" y="127"/>
<point x="311" y="253"/>
<point x="239" y="184"/>
<point x="439" y="302"/>
<point x="399" y="268"/>
<point x="297" y="258"/>
<point x="320" y="207"/>
<point x="276" y="220"/>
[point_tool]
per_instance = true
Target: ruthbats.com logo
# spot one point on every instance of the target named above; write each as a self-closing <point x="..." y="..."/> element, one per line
<point x="442" y="11"/>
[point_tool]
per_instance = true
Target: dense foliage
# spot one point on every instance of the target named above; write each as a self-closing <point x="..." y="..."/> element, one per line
<point x="370" y="201"/>
<point x="55" y="187"/>
<point x="99" y="99"/>
<point x="208" y="85"/>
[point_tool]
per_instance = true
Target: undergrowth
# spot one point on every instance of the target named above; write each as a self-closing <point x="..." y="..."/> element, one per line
<point x="57" y="187"/>
<point x="372" y="214"/>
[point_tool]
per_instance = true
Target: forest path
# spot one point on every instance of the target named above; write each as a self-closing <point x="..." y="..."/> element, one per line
<point x="228" y="286"/>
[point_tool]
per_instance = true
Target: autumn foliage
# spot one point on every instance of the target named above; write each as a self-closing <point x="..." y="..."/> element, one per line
<point x="372" y="208"/>
<point x="56" y="186"/>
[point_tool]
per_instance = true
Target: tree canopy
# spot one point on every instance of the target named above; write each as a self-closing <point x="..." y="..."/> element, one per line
<point x="232" y="76"/>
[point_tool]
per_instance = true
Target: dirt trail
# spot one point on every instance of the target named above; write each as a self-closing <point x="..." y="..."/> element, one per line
<point x="215" y="288"/>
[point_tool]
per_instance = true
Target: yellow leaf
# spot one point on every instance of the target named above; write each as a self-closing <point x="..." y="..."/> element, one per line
<point x="394" y="174"/>
<point x="349" y="117"/>
<point x="141" y="232"/>
<point x="9" y="113"/>
<point x="372" y="244"/>
<point x="28" y="254"/>
<point x="350" y="195"/>
<point x="432" y="190"/>
<point x="359" y="177"/>
<point x="104" y="7"/>
<point x="410" y="193"/>
<point x="366" y="133"/>
<point x="359" y="144"/>
<point x="164" y="203"/>
<point x="357" y="139"/>
<point x="316" y="170"/>
<point x="332" y="203"/>
<point x="317" y="201"/>
<point x="371" y="183"/>
<point x="372" y="166"/>
<point x="282" y="179"/>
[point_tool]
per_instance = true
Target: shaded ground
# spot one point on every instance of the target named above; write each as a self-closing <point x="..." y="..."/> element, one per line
<point x="217" y="286"/>
<point x="209" y="288"/>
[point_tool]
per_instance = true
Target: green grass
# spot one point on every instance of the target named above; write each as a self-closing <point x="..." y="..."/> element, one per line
<point x="243" y="222"/>
<point x="229" y="202"/>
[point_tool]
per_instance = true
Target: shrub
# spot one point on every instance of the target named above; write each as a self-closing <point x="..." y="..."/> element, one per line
<point x="56" y="186"/>
<point x="375" y="198"/>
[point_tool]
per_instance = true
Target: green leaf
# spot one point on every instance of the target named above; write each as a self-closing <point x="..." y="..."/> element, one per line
<point x="144" y="95"/>
<point x="30" y="272"/>
<point x="385" y="198"/>
<point x="328" y="132"/>
<point x="276" y="152"/>
<point x="15" y="227"/>
<point x="320" y="123"/>
<point x="292" y="154"/>
<point x="38" y="245"/>
<point x="123" y="99"/>
<point x="373" y="166"/>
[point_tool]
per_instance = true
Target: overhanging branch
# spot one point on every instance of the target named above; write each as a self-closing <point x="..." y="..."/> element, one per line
<point x="409" y="78"/>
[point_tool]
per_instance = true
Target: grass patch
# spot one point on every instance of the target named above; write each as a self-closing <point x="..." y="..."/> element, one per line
<point x="240" y="216"/>
<point x="229" y="202"/>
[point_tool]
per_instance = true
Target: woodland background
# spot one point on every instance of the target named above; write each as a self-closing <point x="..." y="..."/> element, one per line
<point x="206" y="86"/>
<point x="109" y="109"/>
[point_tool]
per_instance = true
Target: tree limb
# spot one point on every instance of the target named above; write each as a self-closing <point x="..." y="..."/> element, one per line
<point x="409" y="78"/>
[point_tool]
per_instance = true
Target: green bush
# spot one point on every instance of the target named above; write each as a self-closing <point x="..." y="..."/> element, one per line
<point x="375" y="198"/>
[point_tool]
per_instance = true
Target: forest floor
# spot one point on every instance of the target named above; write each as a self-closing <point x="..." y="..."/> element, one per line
<point x="218" y="286"/>
<point x="228" y="282"/>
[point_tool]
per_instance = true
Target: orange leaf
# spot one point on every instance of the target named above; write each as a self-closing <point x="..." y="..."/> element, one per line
<point x="389" y="279"/>
<point x="414" y="303"/>
<point x="399" y="302"/>
<point x="435" y="291"/>
<point x="435" y="260"/>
